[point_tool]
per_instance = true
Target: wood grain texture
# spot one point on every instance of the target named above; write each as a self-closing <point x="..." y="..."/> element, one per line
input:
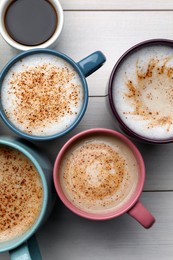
<point x="69" y="237"/>
<point x="121" y="239"/>
<point x="117" y="5"/>
<point x="158" y="158"/>
<point x="111" y="26"/>
<point x="111" y="32"/>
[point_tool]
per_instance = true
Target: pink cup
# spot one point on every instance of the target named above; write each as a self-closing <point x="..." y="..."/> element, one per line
<point x="132" y="206"/>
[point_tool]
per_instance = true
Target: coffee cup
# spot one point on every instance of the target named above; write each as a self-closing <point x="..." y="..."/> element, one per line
<point x="24" y="31"/>
<point x="44" y="93"/>
<point x="99" y="174"/>
<point x="140" y="91"/>
<point x="27" y="197"/>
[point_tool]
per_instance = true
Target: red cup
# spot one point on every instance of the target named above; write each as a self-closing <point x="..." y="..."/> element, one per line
<point x="132" y="206"/>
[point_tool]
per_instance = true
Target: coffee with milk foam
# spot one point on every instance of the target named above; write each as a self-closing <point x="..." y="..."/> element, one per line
<point x="21" y="194"/>
<point x="99" y="174"/>
<point x="42" y="95"/>
<point x="143" y="91"/>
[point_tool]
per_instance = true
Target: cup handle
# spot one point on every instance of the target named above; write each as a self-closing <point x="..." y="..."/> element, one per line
<point x="91" y="63"/>
<point x="142" y="215"/>
<point x="27" y="251"/>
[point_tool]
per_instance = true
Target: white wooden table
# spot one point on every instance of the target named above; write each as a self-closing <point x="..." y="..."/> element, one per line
<point x="111" y="26"/>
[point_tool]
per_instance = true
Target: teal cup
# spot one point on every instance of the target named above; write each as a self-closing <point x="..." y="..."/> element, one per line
<point x="84" y="68"/>
<point x="25" y="247"/>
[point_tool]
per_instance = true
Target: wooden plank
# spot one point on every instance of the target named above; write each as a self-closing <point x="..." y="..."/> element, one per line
<point x="67" y="236"/>
<point x="81" y="239"/>
<point x="111" y="32"/>
<point x="158" y="158"/>
<point x="116" y="5"/>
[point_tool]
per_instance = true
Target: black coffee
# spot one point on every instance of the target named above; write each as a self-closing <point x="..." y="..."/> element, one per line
<point x="30" y="22"/>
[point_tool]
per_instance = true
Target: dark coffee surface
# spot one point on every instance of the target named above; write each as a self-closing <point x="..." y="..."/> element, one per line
<point x="30" y="22"/>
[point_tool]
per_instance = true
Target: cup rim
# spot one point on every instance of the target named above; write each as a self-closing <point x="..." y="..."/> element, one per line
<point x="4" y="4"/>
<point x="128" y="130"/>
<point x="24" y="150"/>
<point x="84" y="86"/>
<point x="112" y="214"/>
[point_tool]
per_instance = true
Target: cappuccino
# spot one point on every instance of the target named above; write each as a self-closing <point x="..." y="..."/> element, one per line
<point x="143" y="91"/>
<point x="98" y="174"/>
<point x="42" y="95"/>
<point x="21" y="194"/>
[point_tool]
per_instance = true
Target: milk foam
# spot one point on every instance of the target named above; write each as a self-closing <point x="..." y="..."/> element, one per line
<point x="99" y="174"/>
<point x="52" y="99"/>
<point x="21" y="194"/>
<point x="143" y="92"/>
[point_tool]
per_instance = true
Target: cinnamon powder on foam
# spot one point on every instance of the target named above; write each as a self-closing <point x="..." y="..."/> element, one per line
<point x="44" y="94"/>
<point x="21" y="194"/>
<point x="96" y="177"/>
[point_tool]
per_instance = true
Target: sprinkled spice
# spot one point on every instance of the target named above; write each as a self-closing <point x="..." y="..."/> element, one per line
<point x="97" y="175"/>
<point x="149" y="89"/>
<point x="21" y="194"/>
<point x="43" y="96"/>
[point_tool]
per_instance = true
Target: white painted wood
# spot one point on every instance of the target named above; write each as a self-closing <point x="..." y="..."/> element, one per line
<point x="111" y="32"/>
<point x="116" y="4"/>
<point x="158" y="158"/>
<point x="69" y="237"/>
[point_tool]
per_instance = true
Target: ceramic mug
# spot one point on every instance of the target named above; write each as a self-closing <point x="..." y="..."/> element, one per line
<point x="132" y="205"/>
<point x="139" y="91"/>
<point x="83" y="69"/>
<point x="48" y="43"/>
<point x="25" y="246"/>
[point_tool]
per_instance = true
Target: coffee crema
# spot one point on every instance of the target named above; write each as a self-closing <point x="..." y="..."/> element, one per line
<point x="98" y="174"/>
<point x="143" y="91"/>
<point x="42" y="95"/>
<point x="21" y="194"/>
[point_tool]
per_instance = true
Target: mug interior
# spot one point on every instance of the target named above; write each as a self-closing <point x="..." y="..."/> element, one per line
<point x="49" y="42"/>
<point x="124" y="57"/>
<point x="125" y="206"/>
<point x="10" y="244"/>
<point x="84" y="86"/>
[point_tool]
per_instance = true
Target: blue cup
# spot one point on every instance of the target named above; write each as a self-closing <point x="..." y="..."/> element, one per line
<point x="84" y="68"/>
<point x="25" y="246"/>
